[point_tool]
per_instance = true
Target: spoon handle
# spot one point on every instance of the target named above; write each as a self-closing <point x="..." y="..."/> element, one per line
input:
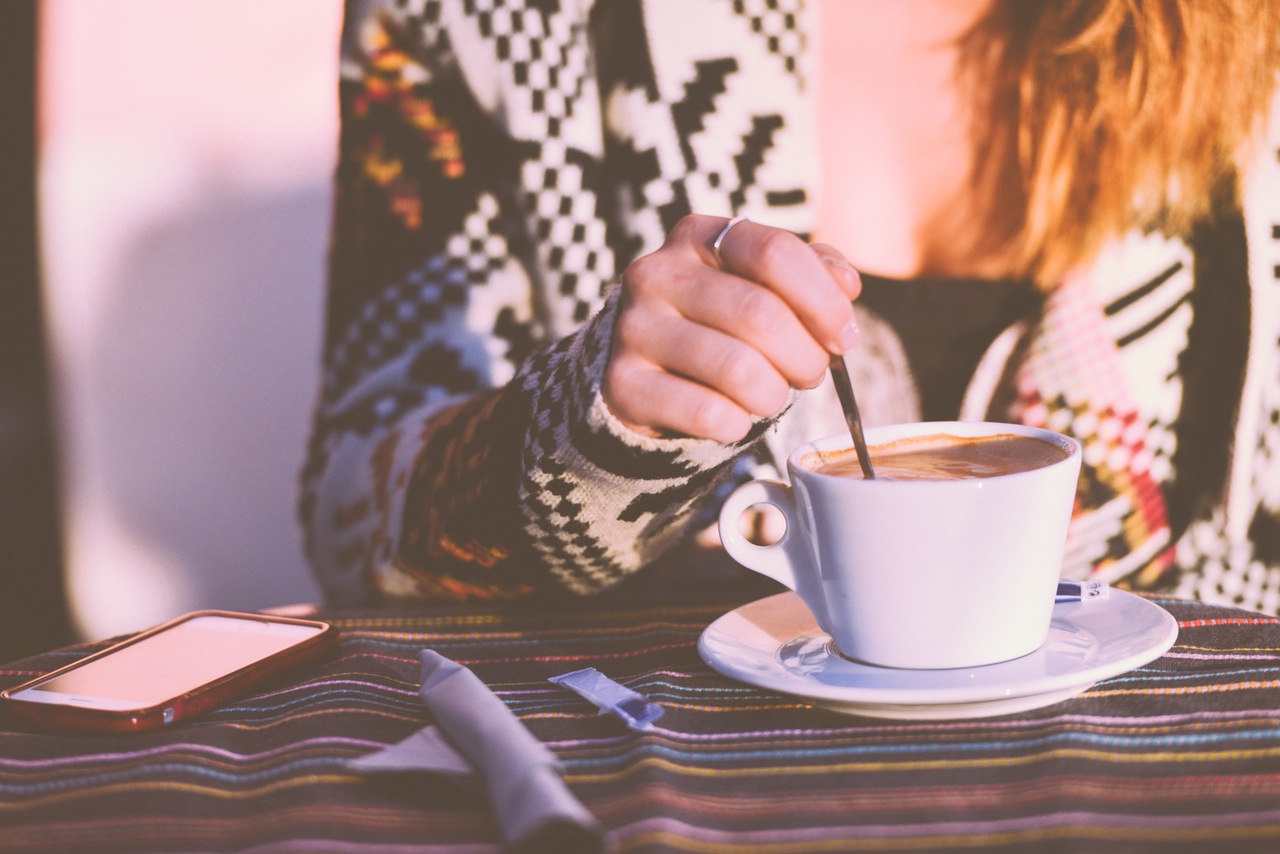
<point x="844" y="390"/>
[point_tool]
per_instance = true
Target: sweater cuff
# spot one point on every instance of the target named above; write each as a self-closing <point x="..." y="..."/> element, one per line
<point x="601" y="500"/>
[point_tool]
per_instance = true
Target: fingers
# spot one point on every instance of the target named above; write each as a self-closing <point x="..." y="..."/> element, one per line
<point x="706" y="340"/>
<point x="759" y="317"/>
<point x="818" y="285"/>
<point x="839" y="267"/>
<point x="653" y="402"/>
<point x="671" y="374"/>
<point x="731" y="366"/>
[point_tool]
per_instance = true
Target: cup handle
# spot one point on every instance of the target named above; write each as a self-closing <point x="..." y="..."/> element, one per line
<point x="780" y="560"/>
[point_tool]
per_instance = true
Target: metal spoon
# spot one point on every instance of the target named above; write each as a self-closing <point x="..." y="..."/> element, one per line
<point x="844" y="390"/>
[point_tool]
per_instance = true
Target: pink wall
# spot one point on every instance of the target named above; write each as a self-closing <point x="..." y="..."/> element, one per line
<point x="186" y="153"/>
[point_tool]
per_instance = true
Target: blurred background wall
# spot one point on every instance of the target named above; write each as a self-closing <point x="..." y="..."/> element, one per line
<point x="186" y="149"/>
<point x="33" y="609"/>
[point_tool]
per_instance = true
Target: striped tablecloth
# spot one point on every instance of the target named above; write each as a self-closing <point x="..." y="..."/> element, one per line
<point x="1183" y="754"/>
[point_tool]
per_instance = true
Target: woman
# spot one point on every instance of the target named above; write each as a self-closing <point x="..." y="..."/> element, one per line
<point x="539" y="371"/>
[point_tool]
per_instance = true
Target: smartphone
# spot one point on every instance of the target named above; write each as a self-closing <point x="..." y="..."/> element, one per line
<point x="170" y="673"/>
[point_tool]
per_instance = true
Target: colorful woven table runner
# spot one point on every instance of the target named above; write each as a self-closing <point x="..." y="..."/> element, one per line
<point x="1182" y="754"/>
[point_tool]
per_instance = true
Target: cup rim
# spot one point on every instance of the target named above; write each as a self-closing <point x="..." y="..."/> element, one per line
<point x="842" y="441"/>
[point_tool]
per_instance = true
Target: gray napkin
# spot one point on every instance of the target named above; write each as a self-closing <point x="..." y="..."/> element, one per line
<point x="475" y="732"/>
<point x="425" y="750"/>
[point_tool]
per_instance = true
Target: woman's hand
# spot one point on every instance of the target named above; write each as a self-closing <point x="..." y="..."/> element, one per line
<point x="703" y="343"/>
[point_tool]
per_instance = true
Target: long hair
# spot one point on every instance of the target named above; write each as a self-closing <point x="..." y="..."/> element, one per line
<point x="1130" y="113"/>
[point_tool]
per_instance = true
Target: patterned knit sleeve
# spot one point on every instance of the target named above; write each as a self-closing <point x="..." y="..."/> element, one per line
<point x="1231" y="552"/>
<point x="460" y="447"/>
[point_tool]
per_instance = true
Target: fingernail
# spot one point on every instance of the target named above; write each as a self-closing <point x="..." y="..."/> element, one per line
<point x="849" y="337"/>
<point x="846" y="273"/>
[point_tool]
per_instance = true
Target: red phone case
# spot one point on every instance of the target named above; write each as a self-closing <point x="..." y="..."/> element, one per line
<point x="234" y="684"/>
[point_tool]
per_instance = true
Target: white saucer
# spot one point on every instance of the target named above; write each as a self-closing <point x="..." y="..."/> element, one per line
<point x="775" y="643"/>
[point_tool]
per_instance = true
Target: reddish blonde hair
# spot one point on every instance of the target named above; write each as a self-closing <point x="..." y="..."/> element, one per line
<point x="1129" y="113"/>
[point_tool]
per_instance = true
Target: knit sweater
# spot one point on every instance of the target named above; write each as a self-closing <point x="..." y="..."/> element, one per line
<point x="501" y="161"/>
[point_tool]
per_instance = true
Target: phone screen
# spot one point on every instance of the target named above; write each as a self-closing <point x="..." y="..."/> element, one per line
<point x="170" y="663"/>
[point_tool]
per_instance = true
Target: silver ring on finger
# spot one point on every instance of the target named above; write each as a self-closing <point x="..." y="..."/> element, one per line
<point x="715" y="244"/>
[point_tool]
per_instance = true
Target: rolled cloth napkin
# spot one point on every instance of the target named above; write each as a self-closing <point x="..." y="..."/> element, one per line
<point x="534" y="807"/>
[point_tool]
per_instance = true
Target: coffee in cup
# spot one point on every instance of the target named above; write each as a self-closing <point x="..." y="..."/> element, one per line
<point x="942" y="456"/>
<point x="949" y="558"/>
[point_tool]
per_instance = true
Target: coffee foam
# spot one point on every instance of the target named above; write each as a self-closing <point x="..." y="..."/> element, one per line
<point x="941" y="456"/>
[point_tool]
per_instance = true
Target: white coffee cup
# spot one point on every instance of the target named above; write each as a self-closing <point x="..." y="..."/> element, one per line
<point x="922" y="574"/>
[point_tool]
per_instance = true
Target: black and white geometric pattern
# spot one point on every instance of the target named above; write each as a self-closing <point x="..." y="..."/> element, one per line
<point x="436" y="296"/>
<point x="1232" y="551"/>
<point x="776" y="22"/>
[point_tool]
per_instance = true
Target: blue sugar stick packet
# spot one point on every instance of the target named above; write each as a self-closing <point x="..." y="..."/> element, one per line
<point x="635" y="710"/>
